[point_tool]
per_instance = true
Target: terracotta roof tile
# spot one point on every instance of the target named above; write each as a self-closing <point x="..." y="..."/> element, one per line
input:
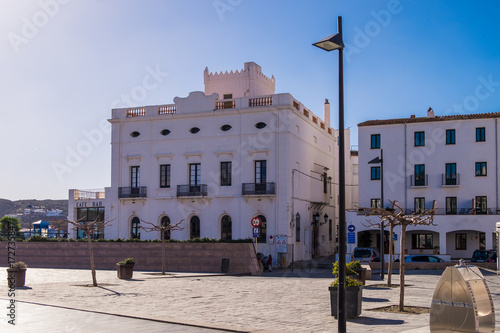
<point x="425" y="119"/>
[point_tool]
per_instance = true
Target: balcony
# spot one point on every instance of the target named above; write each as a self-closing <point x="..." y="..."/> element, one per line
<point x="419" y="181"/>
<point x="450" y="180"/>
<point x="192" y="191"/>
<point x="132" y="192"/>
<point x="258" y="189"/>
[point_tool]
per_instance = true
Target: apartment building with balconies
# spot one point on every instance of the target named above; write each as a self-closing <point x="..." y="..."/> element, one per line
<point x="450" y="162"/>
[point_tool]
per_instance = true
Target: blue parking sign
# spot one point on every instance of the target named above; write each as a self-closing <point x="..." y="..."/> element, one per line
<point x="255" y="232"/>
<point x="351" y="238"/>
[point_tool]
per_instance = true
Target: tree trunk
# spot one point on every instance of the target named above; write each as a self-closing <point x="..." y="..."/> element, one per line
<point x="389" y="264"/>
<point x="92" y="264"/>
<point x="163" y="263"/>
<point x="402" y="270"/>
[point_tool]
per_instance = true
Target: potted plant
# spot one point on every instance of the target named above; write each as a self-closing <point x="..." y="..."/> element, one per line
<point x="354" y="292"/>
<point x="16" y="274"/>
<point x="436" y="249"/>
<point x="355" y="266"/>
<point x="125" y="268"/>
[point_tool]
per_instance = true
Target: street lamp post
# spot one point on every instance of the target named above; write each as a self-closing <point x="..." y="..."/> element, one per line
<point x="380" y="160"/>
<point x="330" y="43"/>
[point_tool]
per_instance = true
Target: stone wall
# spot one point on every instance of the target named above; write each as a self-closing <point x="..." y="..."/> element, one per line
<point x="181" y="257"/>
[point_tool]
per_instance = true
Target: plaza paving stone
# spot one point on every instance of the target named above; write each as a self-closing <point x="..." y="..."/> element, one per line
<point x="281" y="301"/>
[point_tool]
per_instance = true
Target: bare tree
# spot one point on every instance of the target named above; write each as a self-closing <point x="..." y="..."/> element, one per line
<point x="397" y="217"/>
<point x="90" y="227"/>
<point x="162" y="228"/>
<point x="387" y="218"/>
<point x="60" y="226"/>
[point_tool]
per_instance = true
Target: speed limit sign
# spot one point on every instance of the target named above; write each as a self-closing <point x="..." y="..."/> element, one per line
<point x="256" y="221"/>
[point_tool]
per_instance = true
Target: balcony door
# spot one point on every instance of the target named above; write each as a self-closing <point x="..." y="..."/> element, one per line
<point x="260" y="176"/>
<point x="194" y="177"/>
<point x="134" y="180"/>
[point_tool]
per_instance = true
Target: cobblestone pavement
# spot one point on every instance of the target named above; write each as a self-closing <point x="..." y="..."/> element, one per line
<point x="280" y="301"/>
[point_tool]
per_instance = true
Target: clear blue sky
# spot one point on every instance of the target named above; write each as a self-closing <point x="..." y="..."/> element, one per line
<point x="65" y="63"/>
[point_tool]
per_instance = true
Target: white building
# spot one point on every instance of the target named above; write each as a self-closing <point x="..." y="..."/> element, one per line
<point x="219" y="158"/>
<point x="452" y="160"/>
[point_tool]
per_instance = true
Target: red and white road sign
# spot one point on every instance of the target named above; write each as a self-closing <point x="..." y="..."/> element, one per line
<point x="256" y="221"/>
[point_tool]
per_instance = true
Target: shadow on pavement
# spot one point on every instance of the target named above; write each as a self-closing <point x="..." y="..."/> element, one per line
<point x="377" y="321"/>
<point x="373" y="299"/>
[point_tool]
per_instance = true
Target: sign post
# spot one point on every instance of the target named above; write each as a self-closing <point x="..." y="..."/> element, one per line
<point x="256" y="222"/>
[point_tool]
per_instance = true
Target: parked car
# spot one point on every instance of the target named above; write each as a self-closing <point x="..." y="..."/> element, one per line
<point x="423" y="258"/>
<point x="484" y="256"/>
<point x="263" y="259"/>
<point x="366" y="254"/>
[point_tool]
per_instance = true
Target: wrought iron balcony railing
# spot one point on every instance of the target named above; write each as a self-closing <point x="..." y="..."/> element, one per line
<point x="261" y="188"/>
<point x="132" y="192"/>
<point x="191" y="190"/>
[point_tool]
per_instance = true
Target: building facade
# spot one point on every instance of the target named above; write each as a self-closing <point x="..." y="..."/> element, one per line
<point x="450" y="162"/>
<point x="217" y="159"/>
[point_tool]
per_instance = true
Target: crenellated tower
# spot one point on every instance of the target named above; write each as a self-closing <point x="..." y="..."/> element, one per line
<point x="249" y="82"/>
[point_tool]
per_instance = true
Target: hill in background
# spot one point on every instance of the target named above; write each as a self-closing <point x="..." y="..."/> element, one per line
<point x="18" y="207"/>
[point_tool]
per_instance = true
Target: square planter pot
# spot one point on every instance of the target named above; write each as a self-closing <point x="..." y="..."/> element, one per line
<point x="16" y="277"/>
<point x="354" y="301"/>
<point x="125" y="272"/>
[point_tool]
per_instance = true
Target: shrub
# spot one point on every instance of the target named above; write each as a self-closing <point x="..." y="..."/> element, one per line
<point x="128" y="261"/>
<point x="19" y="265"/>
<point x="350" y="266"/>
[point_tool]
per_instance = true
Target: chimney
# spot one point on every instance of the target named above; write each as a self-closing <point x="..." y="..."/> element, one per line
<point x="326" y="113"/>
<point x="430" y="113"/>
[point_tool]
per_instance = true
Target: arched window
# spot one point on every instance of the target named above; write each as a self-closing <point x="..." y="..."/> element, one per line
<point x="226" y="228"/>
<point x="136" y="228"/>
<point x="262" y="230"/>
<point x="165" y="222"/>
<point x="194" y="227"/>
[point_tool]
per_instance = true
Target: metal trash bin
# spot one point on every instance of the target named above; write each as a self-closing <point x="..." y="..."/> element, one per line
<point x="224" y="267"/>
<point x="462" y="302"/>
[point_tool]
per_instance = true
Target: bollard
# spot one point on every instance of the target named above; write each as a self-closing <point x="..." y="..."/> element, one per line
<point x="462" y="302"/>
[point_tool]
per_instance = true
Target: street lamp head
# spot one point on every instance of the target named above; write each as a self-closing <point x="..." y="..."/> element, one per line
<point x="326" y="217"/>
<point x="330" y="43"/>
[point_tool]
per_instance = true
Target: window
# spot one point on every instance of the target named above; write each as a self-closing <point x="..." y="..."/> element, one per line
<point x="450" y="137"/>
<point x="90" y="215"/>
<point x="227" y="96"/>
<point x="165" y="132"/>
<point x="165" y="175"/>
<point x="165" y="223"/>
<point x="451" y="174"/>
<point x="136" y="228"/>
<point x="419" y="204"/>
<point x="194" y="130"/>
<point x="451" y="205"/>
<point x="375" y="141"/>
<point x="134" y="176"/>
<point x="375" y="203"/>
<point x="260" y="125"/>
<point x="375" y="173"/>
<point x="194" y="176"/>
<point x="260" y="176"/>
<point x="481" y="205"/>
<point x="225" y="128"/>
<point x="419" y="139"/>
<point x="480" y="134"/>
<point x="419" y="175"/>
<point x="297" y="227"/>
<point x="481" y="169"/>
<point x="460" y="241"/>
<point x="135" y="134"/>
<point x="262" y="230"/>
<point x="422" y="241"/>
<point x="194" y="227"/>
<point x="330" y="230"/>
<point x="225" y="173"/>
<point x="226" y="228"/>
